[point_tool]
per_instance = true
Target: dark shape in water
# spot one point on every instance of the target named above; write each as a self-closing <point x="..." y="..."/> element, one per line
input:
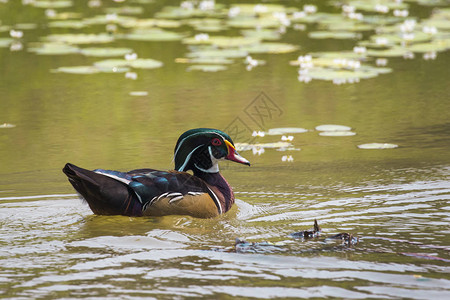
<point x="307" y="234"/>
<point x="242" y="246"/>
<point x="347" y="238"/>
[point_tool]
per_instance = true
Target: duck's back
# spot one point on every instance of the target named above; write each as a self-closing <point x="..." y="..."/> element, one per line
<point x="144" y="192"/>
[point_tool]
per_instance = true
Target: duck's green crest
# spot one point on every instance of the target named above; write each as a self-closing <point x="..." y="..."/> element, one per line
<point x="195" y="141"/>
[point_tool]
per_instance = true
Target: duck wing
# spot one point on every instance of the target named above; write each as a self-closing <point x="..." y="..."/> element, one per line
<point x="144" y="192"/>
<point x="174" y="193"/>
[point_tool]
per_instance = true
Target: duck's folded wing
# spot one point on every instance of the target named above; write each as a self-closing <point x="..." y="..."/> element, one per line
<point x="174" y="193"/>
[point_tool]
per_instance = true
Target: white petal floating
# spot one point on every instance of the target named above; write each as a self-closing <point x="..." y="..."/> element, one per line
<point x="377" y="146"/>
<point x="337" y="133"/>
<point x="330" y="127"/>
<point x="281" y="131"/>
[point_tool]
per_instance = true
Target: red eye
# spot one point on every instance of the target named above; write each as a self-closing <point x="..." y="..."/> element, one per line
<point x="216" y="142"/>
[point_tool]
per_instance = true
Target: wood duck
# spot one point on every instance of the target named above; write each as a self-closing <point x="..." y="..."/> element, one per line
<point x="149" y="192"/>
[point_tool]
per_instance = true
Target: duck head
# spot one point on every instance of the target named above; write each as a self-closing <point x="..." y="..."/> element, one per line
<point x="201" y="149"/>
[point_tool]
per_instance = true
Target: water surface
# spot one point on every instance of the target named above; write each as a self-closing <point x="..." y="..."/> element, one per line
<point x="396" y="201"/>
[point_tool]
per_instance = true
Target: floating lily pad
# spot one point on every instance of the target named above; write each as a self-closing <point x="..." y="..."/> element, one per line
<point x="334" y="35"/>
<point x="377" y="70"/>
<point x="105" y="52"/>
<point x="63" y="15"/>
<point x="7" y="125"/>
<point x="247" y="147"/>
<point x="140" y="63"/>
<point x="371" y="5"/>
<point x="139" y="93"/>
<point x="262" y="34"/>
<point x="51" y="4"/>
<point x="339" y="54"/>
<point x="148" y="23"/>
<point x="125" y="10"/>
<point x="336" y="75"/>
<point x="337" y="133"/>
<point x="53" y="49"/>
<point x="250" y="22"/>
<point x="78" y="70"/>
<point x="399" y="38"/>
<point x="80" y="38"/>
<point x="76" y="24"/>
<point x="332" y="127"/>
<point x="391" y="52"/>
<point x="109" y="19"/>
<point x="145" y="63"/>
<point x="153" y="35"/>
<point x="440" y="23"/>
<point x="5" y="42"/>
<point x="177" y="12"/>
<point x="25" y="26"/>
<point x="270" y="48"/>
<point x="436" y="46"/>
<point x="111" y="63"/>
<point x="113" y="69"/>
<point x="280" y="131"/>
<point x="258" y="9"/>
<point x="223" y="41"/>
<point x="206" y="60"/>
<point x="224" y="53"/>
<point x="207" y="68"/>
<point x="377" y="146"/>
<point x="207" y="24"/>
<point x="4" y="28"/>
<point x="347" y="25"/>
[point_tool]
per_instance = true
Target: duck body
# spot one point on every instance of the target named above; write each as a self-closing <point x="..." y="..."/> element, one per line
<point x="149" y="192"/>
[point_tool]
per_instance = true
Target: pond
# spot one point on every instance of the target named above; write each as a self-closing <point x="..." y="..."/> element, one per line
<point x="112" y="84"/>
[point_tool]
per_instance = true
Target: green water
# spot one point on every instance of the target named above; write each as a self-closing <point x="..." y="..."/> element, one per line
<point x="394" y="200"/>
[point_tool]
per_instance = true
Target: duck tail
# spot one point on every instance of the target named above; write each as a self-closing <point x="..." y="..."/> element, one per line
<point x="104" y="195"/>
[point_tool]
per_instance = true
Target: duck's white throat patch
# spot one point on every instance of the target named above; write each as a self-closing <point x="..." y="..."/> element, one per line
<point x="214" y="161"/>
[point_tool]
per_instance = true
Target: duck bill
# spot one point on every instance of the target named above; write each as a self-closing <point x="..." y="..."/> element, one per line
<point x="234" y="156"/>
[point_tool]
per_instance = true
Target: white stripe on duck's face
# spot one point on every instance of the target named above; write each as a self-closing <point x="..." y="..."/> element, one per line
<point x="214" y="162"/>
<point x="188" y="158"/>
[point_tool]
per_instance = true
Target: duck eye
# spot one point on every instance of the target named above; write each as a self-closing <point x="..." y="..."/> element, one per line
<point x="216" y="142"/>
